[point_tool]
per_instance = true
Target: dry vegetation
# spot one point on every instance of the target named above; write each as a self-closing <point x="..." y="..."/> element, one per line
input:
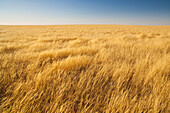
<point x="87" y="69"/>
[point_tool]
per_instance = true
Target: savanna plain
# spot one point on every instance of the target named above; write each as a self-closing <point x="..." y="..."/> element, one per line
<point x="85" y="69"/>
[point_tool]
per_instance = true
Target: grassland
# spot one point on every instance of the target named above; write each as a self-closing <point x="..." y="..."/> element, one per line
<point x="85" y="69"/>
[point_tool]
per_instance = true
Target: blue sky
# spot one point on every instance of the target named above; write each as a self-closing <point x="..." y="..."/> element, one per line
<point x="54" y="12"/>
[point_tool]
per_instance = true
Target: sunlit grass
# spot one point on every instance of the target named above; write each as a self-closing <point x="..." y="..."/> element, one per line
<point x="88" y="68"/>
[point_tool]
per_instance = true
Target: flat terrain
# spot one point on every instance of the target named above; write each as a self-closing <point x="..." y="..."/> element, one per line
<point x="85" y="69"/>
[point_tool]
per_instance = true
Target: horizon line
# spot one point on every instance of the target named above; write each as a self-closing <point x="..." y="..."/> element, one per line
<point x="75" y="24"/>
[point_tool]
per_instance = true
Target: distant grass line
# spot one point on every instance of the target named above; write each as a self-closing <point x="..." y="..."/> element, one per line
<point x="85" y="69"/>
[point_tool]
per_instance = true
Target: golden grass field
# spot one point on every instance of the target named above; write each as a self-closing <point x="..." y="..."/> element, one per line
<point x="85" y="69"/>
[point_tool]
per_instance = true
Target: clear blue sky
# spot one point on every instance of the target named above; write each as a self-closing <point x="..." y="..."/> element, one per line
<point x="129" y="12"/>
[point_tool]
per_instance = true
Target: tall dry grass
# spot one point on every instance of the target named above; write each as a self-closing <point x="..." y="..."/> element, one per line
<point x="83" y="69"/>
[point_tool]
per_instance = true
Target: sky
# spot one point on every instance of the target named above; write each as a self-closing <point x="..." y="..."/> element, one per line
<point x="59" y="12"/>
